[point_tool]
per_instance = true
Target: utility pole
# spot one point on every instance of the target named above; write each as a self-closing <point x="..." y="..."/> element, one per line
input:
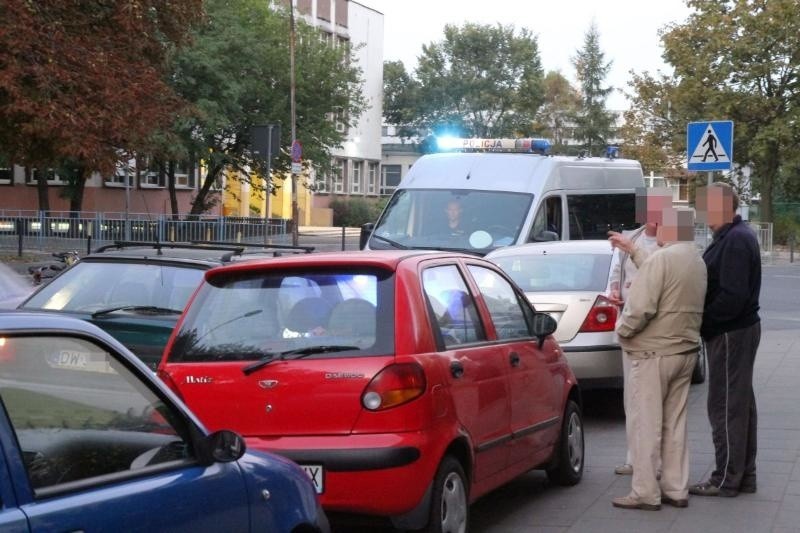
<point x="295" y="214"/>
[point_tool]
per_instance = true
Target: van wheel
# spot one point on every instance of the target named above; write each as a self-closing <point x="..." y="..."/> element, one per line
<point x="450" y="502"/>
<point x="699" y="373"/>
<point x="568" y="468"/>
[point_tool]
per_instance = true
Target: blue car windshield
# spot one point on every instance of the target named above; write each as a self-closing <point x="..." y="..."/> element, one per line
<point x="470" y="220"/>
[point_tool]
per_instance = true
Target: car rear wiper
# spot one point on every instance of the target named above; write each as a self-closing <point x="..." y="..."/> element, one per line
<point x="390" y="241"/>
<point x="297" y="353"/>
<point x="138" y="308"/>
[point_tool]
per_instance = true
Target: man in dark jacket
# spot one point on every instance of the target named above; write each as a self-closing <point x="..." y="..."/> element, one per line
<point x="731" y="330"/>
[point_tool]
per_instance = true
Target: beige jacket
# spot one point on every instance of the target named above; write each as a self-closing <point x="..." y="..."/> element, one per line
<point x="664" y="309"/>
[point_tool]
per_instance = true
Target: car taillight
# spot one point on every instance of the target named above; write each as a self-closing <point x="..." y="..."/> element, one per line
<point x="602" y="316"/>
<point x="167" y="379"/>
<point x="393" y="386"/>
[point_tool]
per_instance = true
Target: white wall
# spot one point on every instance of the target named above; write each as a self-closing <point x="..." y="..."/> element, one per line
<point x="365" y="28"/>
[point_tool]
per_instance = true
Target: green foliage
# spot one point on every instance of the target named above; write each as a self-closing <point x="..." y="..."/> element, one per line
<point x="236" y="75"/>
<point x="732" y="60"/>
<point x="594" y="125"/>
<point x="353" y="212"/>
<point x="559" y="107"/>
<point x="400" y="97"/>
<point x="480" y="80"/>
<point x="787" y="225"/>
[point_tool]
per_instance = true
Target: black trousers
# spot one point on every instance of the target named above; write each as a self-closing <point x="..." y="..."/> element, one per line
<point x="732" y="406"/>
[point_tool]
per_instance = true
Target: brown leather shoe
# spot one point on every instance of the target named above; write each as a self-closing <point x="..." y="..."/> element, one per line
<point x="681" y="503"/>
<point x="629" y="502"/>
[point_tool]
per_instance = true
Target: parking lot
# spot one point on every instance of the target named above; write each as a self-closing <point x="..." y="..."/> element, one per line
<point x="531" y="504"/>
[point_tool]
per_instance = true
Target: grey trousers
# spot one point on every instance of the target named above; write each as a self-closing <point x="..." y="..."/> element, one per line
<point x="732" y="406"/>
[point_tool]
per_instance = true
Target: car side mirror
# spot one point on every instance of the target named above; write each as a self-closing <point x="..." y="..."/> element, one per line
<point x="225" y="446"/>
<point x="366" y="231"/>
<point x="543" y="325"/>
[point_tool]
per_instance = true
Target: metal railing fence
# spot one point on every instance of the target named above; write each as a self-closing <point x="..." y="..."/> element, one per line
<point x="73" y="230"/>
<point x="763" y="231"/>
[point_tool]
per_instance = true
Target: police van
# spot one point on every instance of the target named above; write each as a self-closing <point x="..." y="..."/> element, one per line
<point x="481" y="194"/>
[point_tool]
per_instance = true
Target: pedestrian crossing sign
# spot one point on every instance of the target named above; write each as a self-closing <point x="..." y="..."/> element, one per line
<point x="710" y="145"/>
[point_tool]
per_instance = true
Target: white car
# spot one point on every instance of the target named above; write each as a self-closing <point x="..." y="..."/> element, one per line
<point x="570" y="281"/>
<point x="14" y="288"/>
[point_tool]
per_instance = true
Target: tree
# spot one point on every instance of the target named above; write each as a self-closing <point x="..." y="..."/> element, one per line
<point x="81" y="80"/>
<point x="651" y="133"/>
<point x="594" y="125"/>
<point x="236" y="75"/>
<point x="480" y="80"/>
<point x="560" y="104"/>
<point x="400" y="97"/>
<point x="736" y="60"/>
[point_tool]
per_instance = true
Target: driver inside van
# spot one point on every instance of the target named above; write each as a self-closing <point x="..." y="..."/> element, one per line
<point x="453" y="212"/>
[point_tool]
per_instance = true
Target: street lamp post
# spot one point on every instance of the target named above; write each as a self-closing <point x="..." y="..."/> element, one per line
<point x="294" y="132"/>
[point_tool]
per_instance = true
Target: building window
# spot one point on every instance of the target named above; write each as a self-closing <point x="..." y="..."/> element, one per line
<point x="340" y="175"/>
<point x="326" y="37"/>
<point x="390" y="178"/>
<point x="355" y="181"/>
<point x="153" y="177"/>
<point x="324" y="10"/>
<point x="185" y="177"/>
<point x="341" y="13"/>
<point x="683" y="190"/>
<point x="6" y="172"/>
<point x="117" y="179"/>
<point x="372" y="179"/>
<point x="52" y="178"/>
<point x="339" y="119"/>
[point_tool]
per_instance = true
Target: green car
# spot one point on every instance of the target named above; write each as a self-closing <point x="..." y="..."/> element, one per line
<point x="137" y="291"/>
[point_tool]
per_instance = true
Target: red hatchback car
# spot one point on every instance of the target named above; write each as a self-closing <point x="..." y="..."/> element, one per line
<point x="406" y="383"/>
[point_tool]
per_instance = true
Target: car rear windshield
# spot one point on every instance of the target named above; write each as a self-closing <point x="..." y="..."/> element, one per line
<point x="325" y="313"/>
<point x="90" y="286"/>
<point x="558" y="272"/>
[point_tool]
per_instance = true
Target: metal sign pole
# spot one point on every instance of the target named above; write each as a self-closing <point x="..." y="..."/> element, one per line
<point x="268" y="181"/>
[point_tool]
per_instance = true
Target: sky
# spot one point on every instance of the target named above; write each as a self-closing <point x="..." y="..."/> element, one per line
<point x="628" y="30"/>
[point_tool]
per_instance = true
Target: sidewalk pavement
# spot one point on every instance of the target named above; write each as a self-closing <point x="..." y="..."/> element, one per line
<point x="529" y="504"/>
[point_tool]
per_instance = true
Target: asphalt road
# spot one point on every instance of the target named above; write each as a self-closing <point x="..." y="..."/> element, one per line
<point x="780" y="296"/>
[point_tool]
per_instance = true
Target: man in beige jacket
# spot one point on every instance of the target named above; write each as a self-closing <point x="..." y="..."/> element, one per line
<point x="660" y="332"/>
<point x="650" y="204"/>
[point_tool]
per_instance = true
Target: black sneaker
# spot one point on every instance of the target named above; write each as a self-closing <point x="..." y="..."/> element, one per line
<point x="708" y="488"/>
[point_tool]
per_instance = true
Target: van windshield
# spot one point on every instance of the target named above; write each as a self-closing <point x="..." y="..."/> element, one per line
<point x="468" y="220"/>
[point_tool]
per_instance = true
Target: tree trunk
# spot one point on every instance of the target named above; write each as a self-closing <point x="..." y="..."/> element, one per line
<point x="199" y="203"/>
<point x="41" y="190"/>
<point x="771" y="167"/>
<point x="173" y="197"/>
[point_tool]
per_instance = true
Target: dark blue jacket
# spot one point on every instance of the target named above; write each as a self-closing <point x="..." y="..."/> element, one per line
<point x="733" y="261"/>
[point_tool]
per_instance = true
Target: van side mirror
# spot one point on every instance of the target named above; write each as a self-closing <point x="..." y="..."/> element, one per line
<point x="544" y="236"/>
<point x="543" y="325"/>
<point x="366" y="231"/>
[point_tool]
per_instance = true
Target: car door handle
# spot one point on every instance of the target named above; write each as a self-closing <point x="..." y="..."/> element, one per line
<point x="457" y="369"/>
<point x="514" y="359"/>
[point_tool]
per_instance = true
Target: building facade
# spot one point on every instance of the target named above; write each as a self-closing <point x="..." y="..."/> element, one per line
<point x="357" y="163"/>
<point x="127" y="190"/>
